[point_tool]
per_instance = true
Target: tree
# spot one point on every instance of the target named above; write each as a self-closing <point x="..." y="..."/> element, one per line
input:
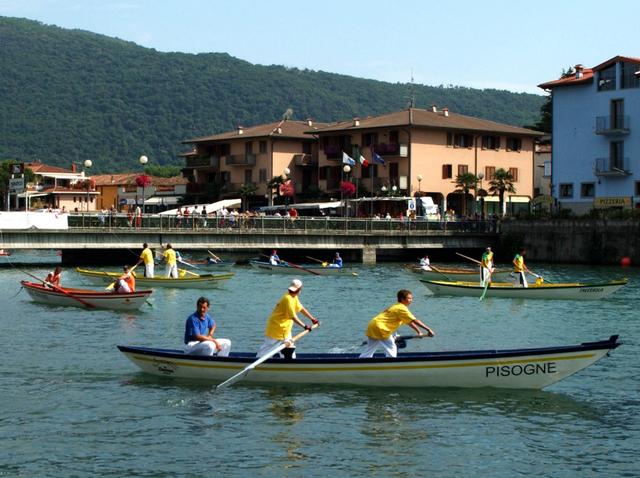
<point x="464" y="183"/>
<point x="502" y="182"/>
<point x="246" y="190"/>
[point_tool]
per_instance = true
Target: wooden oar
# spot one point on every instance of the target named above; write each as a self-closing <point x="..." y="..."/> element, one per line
<point x="324" y="263"/>
<point x="298" y="267"/>
<point x="113" y="284"/>
<point x="187" y="264"/>
<point x="189" y="272"/>
<point x="60" y="289"/>
<point x="401" y="340"/>
<point x="470" y="258"/>
<point x="441" y="273"/>
<point x="214" y="256"/>
<point x="538" y="276"/>
<point x="240" y="375"/>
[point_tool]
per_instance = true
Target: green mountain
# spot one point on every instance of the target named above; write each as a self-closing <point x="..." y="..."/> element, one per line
<point x="71" y="95"/>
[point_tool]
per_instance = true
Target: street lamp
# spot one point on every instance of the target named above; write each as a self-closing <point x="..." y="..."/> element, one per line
<point x="285" y="176"/>
<point x="394" y="188"/>
<point x="143" y="161"/>
<point x="346" y="170"/>
<point x="87" y="164"/>
<point x="383" y="189"/>
<point x="419" y="181"/>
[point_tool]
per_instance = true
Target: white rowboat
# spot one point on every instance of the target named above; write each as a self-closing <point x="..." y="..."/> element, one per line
<point x="571" y="291"/>
<point x="85" y="298"/>
<point x="533" y="368"/>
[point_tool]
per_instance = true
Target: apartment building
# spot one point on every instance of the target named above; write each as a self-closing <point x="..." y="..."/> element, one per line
<point x="596" y="150"/>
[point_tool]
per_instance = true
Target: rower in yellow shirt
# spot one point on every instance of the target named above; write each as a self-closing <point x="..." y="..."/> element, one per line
<point x="381" y="329"/>
<point x="281" y="320"/>
<point x="171" y="260"/>
<point x="146" y="256"/>
<point x="520" y="268"/>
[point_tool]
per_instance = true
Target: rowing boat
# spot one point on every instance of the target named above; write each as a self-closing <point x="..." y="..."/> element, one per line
<point x="456" y="274"/>
<point x="570" y="291"/>
<point x="286" y="268"/>
<point x="186" y="282"/>
<point x="205" y="264"/>
<point x="66" y="296"/>
<point x="532" y="368"/>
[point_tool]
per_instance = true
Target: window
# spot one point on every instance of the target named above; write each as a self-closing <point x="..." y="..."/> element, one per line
<point x="547" y="169"/>
<point x="306" y="147"/>
<point x="607" y="78"/>
<point x="394" y="137"/>
<point x="263" y="147"/>
<point x="248" y="176"/>
<point x="322" y="173"/>
<point x="616" y="155"/>
<point x="225" y="177"/>
<point x="449" y="139"/>
<point x="637" y="188"/>
<point x="248" y="147"/>
<point x="514" y="144"/>
<point x="489" y="172"/>
<point x="587" y="190"/>
<point x="462" y="169"/>
<point x="617" y="114"/>
<point x="459" y="140"/>
<point x="514" y="174"/>
<point x="628" y="79"/>
<point x="566" y="190"/>
<point x="262" y="175"/>
<point x="447" y="171"/>
<point x="491" y="142"/>
<point x="369" y="139"/>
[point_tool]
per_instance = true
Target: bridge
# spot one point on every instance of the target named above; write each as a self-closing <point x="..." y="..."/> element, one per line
<point x="88" y="236"/>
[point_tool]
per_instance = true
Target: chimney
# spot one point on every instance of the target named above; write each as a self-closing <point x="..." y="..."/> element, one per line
<point x="356" y="121"/>
<point x="434" y="108"/>
<point x="579" y="69"/>
<point x="279" y="130"/>
<point x="240" y="130"/>
<point x="73" y="167"/>
<point x="445" y="110"/>
<point x="309" y="122"/>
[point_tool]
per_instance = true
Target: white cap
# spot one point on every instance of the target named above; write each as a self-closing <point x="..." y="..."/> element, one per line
<point x="295" y="285"/>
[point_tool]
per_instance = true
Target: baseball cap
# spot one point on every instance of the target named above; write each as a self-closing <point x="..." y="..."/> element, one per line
<point x="295" y="285"/>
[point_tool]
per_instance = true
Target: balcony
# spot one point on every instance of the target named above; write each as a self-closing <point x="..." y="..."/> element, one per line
<point x="614" y="167"/>
<point x="333" y="151"/>
<point x="202" y="161"/>
<point x="305" y="160"/>
<point x="240" y="160"/>
<point x="391" y="149"/>
<point x="617" y="125"/>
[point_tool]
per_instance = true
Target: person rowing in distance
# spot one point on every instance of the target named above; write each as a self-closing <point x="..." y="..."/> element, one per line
<point x="381" y="329"/>
<point x="425" y="263"/>
<point x="274" y="259"/>
<point x="337" y="261"/>
<point x="53" y="278"/>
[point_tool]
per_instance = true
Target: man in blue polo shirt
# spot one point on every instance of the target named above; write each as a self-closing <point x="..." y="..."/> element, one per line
<point x="198" y="333"/>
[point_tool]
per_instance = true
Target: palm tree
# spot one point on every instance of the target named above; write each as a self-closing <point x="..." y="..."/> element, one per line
<point x="246" y="190"/>
<point x="502" y="182"/>
<point x="464" y="183"/>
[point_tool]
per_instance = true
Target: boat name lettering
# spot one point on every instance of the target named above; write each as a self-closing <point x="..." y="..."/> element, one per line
<point x="591" y="289"/>
<point x="516" y="370"/>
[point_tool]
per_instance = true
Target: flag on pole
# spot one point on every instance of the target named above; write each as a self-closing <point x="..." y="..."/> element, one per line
<point x="346" y="159"/>
<point x="364" y="161"/>
<point x="376" y="158"/>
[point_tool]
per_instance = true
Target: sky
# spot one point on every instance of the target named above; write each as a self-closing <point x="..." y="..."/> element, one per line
<point x="512" y="45"/>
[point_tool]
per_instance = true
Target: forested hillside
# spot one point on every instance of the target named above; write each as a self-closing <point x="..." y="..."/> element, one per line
<point x="70" y="95"/>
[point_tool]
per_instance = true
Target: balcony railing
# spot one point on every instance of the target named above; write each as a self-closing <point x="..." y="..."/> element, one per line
<point x="193" y="162"/>
<point x="305" y="160"/>
<point x="391" y="149"/>
<point x="334" y="151"/>
<point x="612" y="125"/>
<point x="240" y="160"/>
<point x="612" y="167"/>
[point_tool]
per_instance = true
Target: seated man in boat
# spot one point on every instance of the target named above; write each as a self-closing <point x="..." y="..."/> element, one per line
<point x="486" y="267"/>
<point x="281" y="320"/>
<point x="199" y="330"/>
<point x="53" y="278"/>
<point x="519" y="268"/>
<point x="382" y="328"/>
<point x="126" y="283"/>
<point x="337" y="261"/>
<point x="425" y="263"/>
<point x="274" y="260"/>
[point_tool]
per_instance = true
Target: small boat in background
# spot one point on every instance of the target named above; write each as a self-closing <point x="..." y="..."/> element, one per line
<point x="287" y="268"/>
<point x="4" y="252"/>
<point x="531" y="368"/>
<point x="187" y="282"/>
<point x="544" y="290"/>
<point x="88" y="299"/>
<point x="208" y="264"/>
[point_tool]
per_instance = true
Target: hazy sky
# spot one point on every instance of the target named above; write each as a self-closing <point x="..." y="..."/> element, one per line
<point x="511" y="45"/>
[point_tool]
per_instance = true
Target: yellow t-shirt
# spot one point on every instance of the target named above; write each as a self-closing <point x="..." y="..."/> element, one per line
<point x="281" y="320"/>
<point x="147" y="256"/>
<point x="518" y="263"/>
<point x="388" y="321"/>
<point x="487" y="259"/>
<point x="170" y="257"/>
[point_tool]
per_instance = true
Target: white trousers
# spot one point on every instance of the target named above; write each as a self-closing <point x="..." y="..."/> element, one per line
<point x="122" y="287"/>
<point x="207" y="347"/>
<point x="388" y="345"/>
<point x="172" y="271"/>
<point x="485" y="274"/>
<point x="521" y="279"/>
<point x="149" y="270"/>
<point x="269" y="344"/>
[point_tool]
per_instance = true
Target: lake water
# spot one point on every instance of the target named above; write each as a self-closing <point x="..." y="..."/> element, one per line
<point x="73" y="405"/>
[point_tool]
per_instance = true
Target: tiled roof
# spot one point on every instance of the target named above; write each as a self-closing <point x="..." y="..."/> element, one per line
<point x="41" y="168"/>
<point x="130" y="178"/>
<point x="587" y="73"/>
<point x="287" y="128"/>
<point x="426" y="119"/>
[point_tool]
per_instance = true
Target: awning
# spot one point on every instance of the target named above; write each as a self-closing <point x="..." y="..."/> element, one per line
<point x="163" y="200"/>
<point x="507" y="199"/>
<point x="213" y="207"/>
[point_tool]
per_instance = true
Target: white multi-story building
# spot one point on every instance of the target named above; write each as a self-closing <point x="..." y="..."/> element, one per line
<point x="596" y="136"/>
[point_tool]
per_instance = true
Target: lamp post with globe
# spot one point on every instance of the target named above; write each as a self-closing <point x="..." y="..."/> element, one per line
<point x="87" y="164"/>
<point x="143" y="160"/>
